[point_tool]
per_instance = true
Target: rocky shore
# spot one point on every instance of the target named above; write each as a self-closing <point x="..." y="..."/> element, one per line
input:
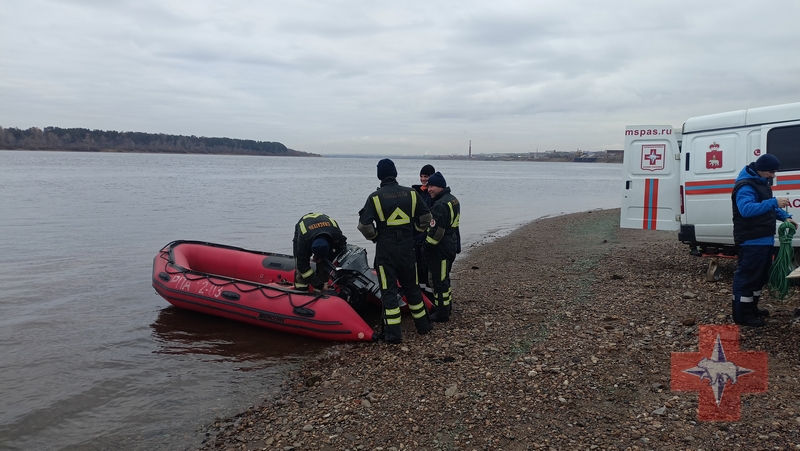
<point x="561" y="338"/>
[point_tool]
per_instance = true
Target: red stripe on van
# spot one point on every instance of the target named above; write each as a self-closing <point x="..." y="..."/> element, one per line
<point x="650" y="204"/>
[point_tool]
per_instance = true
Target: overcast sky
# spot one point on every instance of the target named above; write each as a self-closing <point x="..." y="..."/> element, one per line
<point x="393" y="78"/>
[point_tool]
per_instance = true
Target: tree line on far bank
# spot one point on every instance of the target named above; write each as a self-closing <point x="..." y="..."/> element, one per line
<point x="85" y="140"/>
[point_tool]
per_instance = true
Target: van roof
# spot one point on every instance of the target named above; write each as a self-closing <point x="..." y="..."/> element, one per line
<point x="742" y="118"/>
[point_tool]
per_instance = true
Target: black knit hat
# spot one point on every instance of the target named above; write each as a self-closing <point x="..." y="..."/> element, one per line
<point x="320" y="247"/>
<point x="427" y="170"/>
<point x="386" y="169"/>
<point x="768" y="163"/>
<point x="437" y="179"/>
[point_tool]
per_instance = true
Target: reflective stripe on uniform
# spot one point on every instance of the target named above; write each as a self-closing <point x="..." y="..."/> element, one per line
<point x="307" y="274"/>
<point x="432" y="241"/>
<point x="398" y="217"/>
<point x="392" y="315"/>
<point x="303" y="229"/>
<point x="454" y="220"/>
<point x="443" y="273"/>
<point x="384" y="286"/>
<point x="443" y="299"/>
<point x="417" y="310"/>
<point x="378" y="209"/>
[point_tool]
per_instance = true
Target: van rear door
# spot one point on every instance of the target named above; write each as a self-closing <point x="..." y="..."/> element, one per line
<point x="651" y="197"/>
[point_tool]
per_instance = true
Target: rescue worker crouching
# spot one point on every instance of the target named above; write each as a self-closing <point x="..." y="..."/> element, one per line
<point x="441" y="245"/>
<point x="390" y="218"/>
<point x="317" y="235"/>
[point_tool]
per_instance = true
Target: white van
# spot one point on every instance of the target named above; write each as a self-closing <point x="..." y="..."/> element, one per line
<point x="682" y="180"/>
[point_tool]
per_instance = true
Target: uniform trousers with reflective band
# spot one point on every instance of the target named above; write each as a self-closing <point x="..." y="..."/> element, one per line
<point x="394" y="261"/>
<point x="752" y="271"/>
<point x="439" y="274"/>
<point x="422" y="269"/>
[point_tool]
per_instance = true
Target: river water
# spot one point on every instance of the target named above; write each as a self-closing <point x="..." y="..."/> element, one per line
<point x="93" y="359"/>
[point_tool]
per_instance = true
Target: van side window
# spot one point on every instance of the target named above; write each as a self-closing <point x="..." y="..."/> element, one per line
<point x="784" y="143"/>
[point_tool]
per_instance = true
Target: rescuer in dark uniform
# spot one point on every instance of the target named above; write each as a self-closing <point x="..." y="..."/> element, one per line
<point x="390" y="218"/>
<point x="419" y="238"/>
<point x="441" y="245"/>
<point x="319" y="235"/>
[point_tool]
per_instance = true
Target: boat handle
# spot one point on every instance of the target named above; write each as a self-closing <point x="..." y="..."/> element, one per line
<point x="231" y="295"/>
<point x="163" y="276"/>
<point x="303" y="311"/>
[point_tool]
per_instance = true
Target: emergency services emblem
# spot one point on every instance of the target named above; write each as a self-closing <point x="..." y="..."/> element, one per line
<point x="653" y="156"/>
<point x="720" y="372"/>
<point x="713" y="157"/>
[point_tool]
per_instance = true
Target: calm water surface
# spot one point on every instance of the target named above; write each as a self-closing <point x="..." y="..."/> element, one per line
<point x="93" y="359"/>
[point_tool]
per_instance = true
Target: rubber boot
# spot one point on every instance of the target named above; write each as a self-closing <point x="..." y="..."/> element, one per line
<point x="442" y="314"/>
<point x="760" y="312"/>
<point x="392" y="334"/>
<point x="438" y="315"/>
<point x="744" y="313"/>
<point x="423" y="324"/>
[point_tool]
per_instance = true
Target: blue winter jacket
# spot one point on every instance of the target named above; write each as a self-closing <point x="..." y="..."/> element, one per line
<point x="749" y="206"/>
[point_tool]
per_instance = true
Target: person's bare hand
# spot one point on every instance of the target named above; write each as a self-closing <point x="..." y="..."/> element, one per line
<point x="783" y="202"/>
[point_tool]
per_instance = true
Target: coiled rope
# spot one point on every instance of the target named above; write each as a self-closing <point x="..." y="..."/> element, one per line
<point x="779" y="286"/>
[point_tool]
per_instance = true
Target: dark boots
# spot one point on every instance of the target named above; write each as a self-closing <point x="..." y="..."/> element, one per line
<point x="746" y="313"/>
<point x="760" y="312"/>
<point x="392" y="334"/>
<point x="441" y="312"/>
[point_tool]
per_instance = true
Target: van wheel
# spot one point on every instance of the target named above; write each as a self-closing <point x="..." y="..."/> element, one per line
<point x="713" y="272"/>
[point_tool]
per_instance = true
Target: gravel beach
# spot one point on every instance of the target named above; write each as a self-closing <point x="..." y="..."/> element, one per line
<point x="561" y="338"/>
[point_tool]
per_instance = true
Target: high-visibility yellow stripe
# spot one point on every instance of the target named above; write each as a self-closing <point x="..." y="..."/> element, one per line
<point x="392" y="321"/>
<point x="392" y="311"/>
<point x="378" y="209"/>
<point x="398" y="217"/>
<point x="417" y="310"/>
<point x="307" y="274"/>
<point x="333" y="222"/>
<point x="453" y="218"/>
<point x="302" y="227"/>
<point x="413" y="202"/>
<point x="432" y="241"/>
<point x="444" y="270"/>
<point x="383" y="277"/>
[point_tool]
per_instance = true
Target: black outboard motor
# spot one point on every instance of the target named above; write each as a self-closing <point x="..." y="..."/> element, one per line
<point x="354" y="278"/>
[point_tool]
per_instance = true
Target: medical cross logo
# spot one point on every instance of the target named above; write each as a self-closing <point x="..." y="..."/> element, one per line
<point x="719" y="372"/>
<point x="653" y="156"/>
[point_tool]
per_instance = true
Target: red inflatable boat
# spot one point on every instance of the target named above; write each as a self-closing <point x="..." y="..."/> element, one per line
<point x="256" y="288"/>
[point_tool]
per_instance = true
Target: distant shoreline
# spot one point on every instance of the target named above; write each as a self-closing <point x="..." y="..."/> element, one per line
<point x="171" y="152"/>
<point x="85" y="140"/>
<point x="481" y="157"/>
